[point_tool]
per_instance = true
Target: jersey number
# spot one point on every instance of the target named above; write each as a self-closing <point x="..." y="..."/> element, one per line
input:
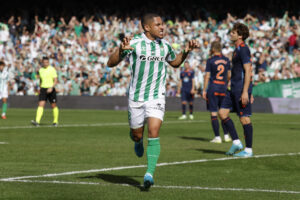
<point x="220" y="71"/>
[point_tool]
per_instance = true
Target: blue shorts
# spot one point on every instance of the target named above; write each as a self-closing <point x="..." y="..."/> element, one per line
<point x="232" y="101"/>
<point x="215" y="100"/>
<point x="187" y="96"/>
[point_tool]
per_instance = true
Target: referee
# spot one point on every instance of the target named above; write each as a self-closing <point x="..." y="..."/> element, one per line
<point x="48" y="80"/>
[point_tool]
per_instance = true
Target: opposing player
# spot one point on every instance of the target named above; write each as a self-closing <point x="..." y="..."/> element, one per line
<point x="187" y="90"/>
<point x="217" y="74"/>
<point x="239" y="97"/>
<point x="48" y="80"/>
<point x="3" y="88"/>
<point x="149" y="56"/>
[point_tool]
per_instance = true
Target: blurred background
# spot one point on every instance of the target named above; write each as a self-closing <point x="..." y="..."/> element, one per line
<point x="79" y="37"/>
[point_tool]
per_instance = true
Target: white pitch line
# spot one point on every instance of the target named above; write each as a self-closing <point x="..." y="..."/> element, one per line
<point x="94" y="125"/>
<point x="3" y="143"/>
<point x="141" y="166"/>
<point x="165" y="186"/>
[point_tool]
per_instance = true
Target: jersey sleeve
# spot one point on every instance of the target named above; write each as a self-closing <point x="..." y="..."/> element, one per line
<point x="245" y="55"/>
<point x="207" y="69"/>
<point x="133" y="44"/>
<point x="171" y="53"/>
<point x="193" y="74"/>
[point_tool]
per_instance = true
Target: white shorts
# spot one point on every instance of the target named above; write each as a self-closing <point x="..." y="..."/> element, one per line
<point x="3" y="93"/>
<point x="138" y="112"/>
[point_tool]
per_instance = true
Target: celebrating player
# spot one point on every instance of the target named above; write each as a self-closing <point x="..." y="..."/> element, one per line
<point x="187" y="90"/>
<point x="149" y="56"/>
<point x="3" y="88"/>
<point x="48" y="80"/>
<point x="216" y="79"/>
<point x="239" y="97"/>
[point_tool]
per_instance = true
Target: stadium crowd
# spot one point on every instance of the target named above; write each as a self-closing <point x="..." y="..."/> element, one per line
<point x="79" y="49"/>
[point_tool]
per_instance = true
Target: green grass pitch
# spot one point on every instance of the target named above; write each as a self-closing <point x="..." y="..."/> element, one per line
<point x="96" y="139"/>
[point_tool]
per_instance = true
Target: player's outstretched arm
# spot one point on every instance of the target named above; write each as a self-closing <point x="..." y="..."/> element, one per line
<point x="116" y="57"/>
<point x="192" y="44"/>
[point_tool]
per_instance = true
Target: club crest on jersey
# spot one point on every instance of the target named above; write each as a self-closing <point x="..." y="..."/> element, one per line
<point x="151" y="58"/>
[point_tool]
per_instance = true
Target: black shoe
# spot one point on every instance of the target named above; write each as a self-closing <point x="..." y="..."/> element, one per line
<point x="35" y="123"/>
<point x="55" y="124"/>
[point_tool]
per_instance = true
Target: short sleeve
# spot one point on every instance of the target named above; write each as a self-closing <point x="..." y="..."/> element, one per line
<point x="245" y="55"/>
<point x="54" y="74"/>
<point x="171" y="54"/>
<point x="207" y="69"/>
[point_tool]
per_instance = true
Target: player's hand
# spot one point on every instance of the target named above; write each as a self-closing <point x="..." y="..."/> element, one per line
<point x="125" y="44"/>
<point x="204" y="95"/>
<point x="245" y="98"/>
<point x="192" y="44"/>
<point x="251" y="99"/>
<point x="49" y="90"/>
<point x="192" y="91"/>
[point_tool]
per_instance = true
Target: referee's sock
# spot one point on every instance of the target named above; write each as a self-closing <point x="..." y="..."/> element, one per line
<point x="55" y="115"/>
<point x="39" y="114"/>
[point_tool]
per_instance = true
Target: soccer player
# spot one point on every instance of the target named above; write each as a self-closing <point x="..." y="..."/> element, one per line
<point x="48" y="81"/>
<point x="215" y="87"/>
<point x="239" y="97"/>
<point x="149" y="56"/>
<point x="3" y="88"/>
<point x="187" y="89"/>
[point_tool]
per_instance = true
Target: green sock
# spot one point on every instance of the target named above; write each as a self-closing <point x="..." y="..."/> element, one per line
<point x="153" y="151"/>
<point x="4" y="108"/>
<point x="55" y="115"/>
<point x="39" y="114"/>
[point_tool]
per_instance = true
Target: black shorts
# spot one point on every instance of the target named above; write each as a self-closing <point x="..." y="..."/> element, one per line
<point x="44" y="96"/>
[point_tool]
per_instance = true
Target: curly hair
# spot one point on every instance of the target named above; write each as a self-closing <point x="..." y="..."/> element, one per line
<point x="242" y="30"/>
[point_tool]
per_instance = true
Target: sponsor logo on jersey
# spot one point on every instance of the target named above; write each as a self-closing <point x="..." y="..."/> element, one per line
<point x="151" y="58"/>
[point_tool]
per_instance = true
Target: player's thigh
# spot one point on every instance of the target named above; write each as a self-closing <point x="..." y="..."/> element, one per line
<point x="136" y="114"/>
<point x="212" y="102"/>
<point x="52" y="96"/>
<point x="43" y="94"/>
<point x="184" y="97"/>
<point x="242" y="110"/>
<point x="155" y="108"/>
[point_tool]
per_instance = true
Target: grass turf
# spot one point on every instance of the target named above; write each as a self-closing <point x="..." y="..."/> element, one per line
<point x="96" y="139"/>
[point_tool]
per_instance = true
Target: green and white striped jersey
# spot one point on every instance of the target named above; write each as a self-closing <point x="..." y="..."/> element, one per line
<point x="148" y="63"/>
<point x="3" y="79"/>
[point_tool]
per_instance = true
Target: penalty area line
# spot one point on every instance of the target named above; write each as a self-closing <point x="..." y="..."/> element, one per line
<point x="164" y="186"/>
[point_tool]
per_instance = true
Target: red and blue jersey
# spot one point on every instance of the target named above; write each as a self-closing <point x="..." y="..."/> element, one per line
<point x="218" y="67"/>
<point x="241" y="56"/>
<point x="186" y="78"/>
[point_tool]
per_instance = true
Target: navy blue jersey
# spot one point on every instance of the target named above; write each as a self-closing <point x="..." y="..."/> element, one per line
<point x="241" y="56"/>
<point x="218" y="67"/>
<point x="187" y="80"/>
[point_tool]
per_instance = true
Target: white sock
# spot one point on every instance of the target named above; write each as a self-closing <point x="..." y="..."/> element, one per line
<point x="248" y="150"/>
<point x="236" y="142"/>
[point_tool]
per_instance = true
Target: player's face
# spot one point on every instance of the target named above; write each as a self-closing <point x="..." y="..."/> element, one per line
<point x="234" y="35"/>
<point x="156" y="28"/>
<point x="45" y="63"/>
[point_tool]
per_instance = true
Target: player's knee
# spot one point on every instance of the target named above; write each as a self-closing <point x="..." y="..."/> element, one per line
<point x="223" y="114"/>
<point x="245" y="120"/>
<point x="136" y="134"/>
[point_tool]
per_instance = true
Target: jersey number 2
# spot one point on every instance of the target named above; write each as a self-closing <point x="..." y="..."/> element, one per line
<point x="220" y="71"/>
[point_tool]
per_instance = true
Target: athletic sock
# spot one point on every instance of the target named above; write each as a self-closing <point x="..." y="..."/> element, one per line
<point x="225" y="131"/>
<point x="191" y="106"/>
<point x="153" y="151"/>
<point x="39" y="114"/>
<point x="248" y="132"/>
<point x="4" y="109"/>
<point x="228" y="123"/>
<point x="215" y="125"/>
<point x="55" y="115"/>
<point x="183" y="109"/>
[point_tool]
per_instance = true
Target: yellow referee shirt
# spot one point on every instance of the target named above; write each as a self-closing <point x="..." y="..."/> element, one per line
<point x="47" y="75"/>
